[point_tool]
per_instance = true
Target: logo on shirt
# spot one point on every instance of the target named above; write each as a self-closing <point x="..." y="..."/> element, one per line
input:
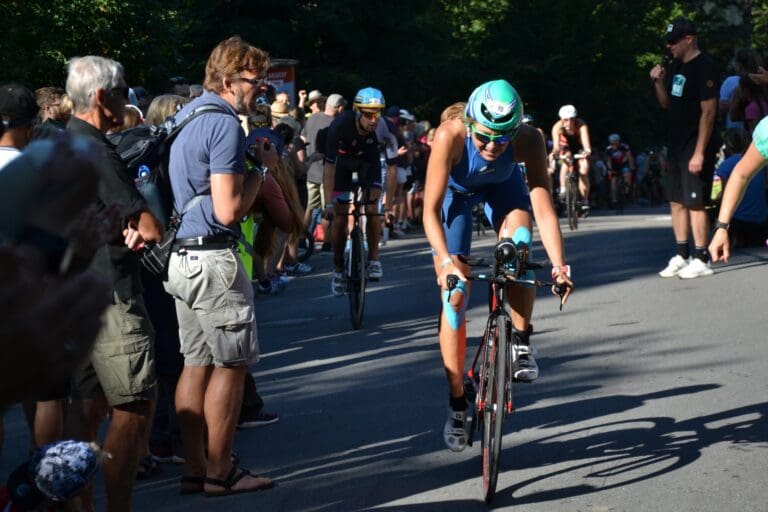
<point x="678" y="84"/>
<point x="485" y="169"/>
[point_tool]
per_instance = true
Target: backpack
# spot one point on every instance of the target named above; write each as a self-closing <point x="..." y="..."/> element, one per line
<point x="145" y="150"/>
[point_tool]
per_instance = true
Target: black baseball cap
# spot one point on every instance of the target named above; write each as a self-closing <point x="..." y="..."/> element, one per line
<point x="393" y="111"/>
<point x="679" y="28"/>
<point x="17" y="105"/>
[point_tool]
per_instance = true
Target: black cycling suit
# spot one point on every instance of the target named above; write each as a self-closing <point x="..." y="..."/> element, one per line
<point x="352" y="151"/>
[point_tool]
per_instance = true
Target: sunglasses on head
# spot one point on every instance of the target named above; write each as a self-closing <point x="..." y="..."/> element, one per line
<point x="497" y="138"/>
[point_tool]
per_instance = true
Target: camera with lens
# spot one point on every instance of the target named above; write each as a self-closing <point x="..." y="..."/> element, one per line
<point x="252" y="160"/>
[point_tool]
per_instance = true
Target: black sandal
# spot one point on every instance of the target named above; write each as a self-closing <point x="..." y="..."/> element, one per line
<point x="227" y="484"/>
<point x="197" y="481"/>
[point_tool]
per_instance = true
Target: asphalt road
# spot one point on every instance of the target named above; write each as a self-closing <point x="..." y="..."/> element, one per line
<point x="652" y="393"/>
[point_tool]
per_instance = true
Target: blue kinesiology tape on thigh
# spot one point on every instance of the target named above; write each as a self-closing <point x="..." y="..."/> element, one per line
<point x="455" y="318"/>
<point x="522" y="236"/>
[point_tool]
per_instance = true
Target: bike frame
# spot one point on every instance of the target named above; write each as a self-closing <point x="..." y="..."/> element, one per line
<point x="354" y="266"/>
<point x="483" y="373"/>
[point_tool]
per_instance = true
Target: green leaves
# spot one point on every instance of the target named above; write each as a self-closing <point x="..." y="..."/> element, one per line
<point x="423" y="55"/>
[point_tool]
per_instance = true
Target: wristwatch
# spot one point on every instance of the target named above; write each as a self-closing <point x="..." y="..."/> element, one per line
<point x="721" y="225"/>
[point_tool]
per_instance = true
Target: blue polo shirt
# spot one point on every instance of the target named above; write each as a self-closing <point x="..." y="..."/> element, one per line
<point x="213" y="143"/>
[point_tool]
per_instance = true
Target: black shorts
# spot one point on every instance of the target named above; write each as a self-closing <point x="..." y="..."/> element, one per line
<point x="690" y="190"/>
<point x="368" y="174"/>
<point x="58" y="391"/>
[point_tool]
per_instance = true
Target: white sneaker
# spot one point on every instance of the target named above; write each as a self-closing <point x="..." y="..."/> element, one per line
<point x="338" y="284"/>
<point x="696" y="268"/>
<point x="374" y="270"/>
<point x="675" y="265"/>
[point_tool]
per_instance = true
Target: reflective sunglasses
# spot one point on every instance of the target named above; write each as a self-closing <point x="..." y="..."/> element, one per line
<point x="487" y="138"/>
<point x="370" y="114"/>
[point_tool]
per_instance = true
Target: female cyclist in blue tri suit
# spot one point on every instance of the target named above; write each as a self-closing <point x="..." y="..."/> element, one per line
<point x="473" y="159"/>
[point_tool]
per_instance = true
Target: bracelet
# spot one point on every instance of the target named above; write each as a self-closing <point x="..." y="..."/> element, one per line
<point x="721" y="225"/>
<point x="446" y="262"/>
<point x="556" y="271"/>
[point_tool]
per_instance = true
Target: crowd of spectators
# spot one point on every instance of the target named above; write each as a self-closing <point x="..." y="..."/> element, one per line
<point x="137" y="353"/>
<point x="150" y="357"/>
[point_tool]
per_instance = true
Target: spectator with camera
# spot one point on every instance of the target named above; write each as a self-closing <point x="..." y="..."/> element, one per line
<point x="214" y="296"/>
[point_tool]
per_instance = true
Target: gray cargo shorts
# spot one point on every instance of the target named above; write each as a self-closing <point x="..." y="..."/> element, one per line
<point x="214" y="306"/>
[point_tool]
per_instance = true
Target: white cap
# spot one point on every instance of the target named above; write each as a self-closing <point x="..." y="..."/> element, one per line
<point x="567" y="112"/>
<point x="314" y="96"/>
<point x="404" y="114"/>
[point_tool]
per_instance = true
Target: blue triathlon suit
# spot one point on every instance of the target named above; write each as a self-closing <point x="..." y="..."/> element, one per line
<point x="499" y="183"/>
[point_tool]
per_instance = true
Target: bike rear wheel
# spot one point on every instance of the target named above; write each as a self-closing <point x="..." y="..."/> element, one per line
<point x="494" y="406"/>
<point x="356" y="279"/>
<point x="572" y="204"/>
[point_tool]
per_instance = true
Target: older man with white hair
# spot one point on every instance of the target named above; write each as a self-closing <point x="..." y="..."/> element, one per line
<point x="120" y="372"/>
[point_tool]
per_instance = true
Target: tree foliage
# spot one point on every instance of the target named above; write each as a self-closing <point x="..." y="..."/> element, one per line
<point x="423" y="55"/>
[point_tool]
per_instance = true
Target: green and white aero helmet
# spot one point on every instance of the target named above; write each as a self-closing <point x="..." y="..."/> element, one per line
<point x="496" y="105"/>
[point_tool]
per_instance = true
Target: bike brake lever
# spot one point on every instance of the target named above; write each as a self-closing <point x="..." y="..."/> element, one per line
<point x="561" y="289"/>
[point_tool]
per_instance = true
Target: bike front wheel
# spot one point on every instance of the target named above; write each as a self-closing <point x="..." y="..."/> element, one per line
<point x="356" y="279"/>
<point x="494" y="406"/>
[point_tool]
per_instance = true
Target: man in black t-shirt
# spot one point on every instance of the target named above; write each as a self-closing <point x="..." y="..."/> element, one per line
<point x="120" y="371"/>
<point x="689" y="92"/>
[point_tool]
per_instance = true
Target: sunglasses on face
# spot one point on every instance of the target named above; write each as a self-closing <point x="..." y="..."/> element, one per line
<point x="370" y="114"/>
<point x="120" y="91"/>
<point x="673" y="42"/>
<point x="487" y="138"/>
<point x="253" y="81"/>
